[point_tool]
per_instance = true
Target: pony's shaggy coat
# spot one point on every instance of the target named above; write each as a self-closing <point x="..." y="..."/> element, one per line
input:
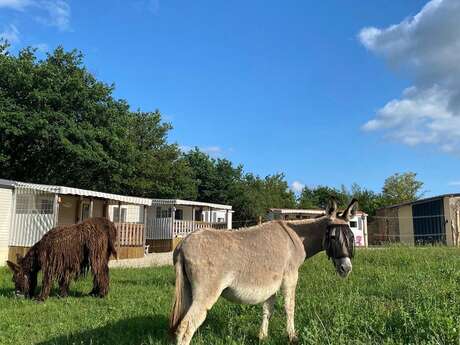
<point x="251" y="266"/>
<point x="65" y="253"/>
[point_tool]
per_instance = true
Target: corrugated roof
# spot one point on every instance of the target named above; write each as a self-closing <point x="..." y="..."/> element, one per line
<point x="84" y="192"/>
<point x="6" y="183"/>
<point x="123" y="198"/>
<point x="190" y="203"/>
<point x="431" y="198"/>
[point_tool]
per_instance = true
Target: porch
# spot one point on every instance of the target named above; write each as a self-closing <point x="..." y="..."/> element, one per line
<point x="168" y="221"/>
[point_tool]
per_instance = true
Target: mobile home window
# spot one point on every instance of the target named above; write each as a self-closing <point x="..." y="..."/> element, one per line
<point x="116" y="215"/>
<point x="353" y="224"/>
<point x="44" y="205"/>
<point x="85" y="211"/>
<point x="166" y="213"/>
<point x="158" y="212"/>
<point x="179" y="214"/>
<point x="22" y="203"/>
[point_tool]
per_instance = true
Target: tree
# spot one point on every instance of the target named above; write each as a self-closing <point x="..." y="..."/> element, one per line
<point x="368" y="200"/>
<point x="400" y="188"/>
<point x="60" y="125"/>
<point x="319" y="197"/>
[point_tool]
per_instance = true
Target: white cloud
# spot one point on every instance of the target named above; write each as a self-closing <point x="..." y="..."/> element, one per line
<point x="427" y="48"/>
<point x="49" y="12"/>
<point x="11" y="34"/>
<point x="14" y="4"/>
<point x="212" y="150"/>
<point x="297" y="186"/>
<point x="58" y="13"/>
<point x="454" y="183"/>
<point x="41" y="47"/>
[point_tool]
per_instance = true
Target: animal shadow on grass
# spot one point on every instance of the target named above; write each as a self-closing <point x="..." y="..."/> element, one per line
<point x="142" y="330"/>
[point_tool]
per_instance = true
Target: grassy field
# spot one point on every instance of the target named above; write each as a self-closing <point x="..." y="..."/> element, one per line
<point x="394" y="296"/>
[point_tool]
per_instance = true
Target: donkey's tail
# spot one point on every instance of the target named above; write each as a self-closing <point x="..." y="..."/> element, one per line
<point x="182" y="295"/>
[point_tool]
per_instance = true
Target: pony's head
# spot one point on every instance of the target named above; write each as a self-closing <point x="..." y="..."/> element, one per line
<point x="339" y="241"/>
<point x="21" y="278"/>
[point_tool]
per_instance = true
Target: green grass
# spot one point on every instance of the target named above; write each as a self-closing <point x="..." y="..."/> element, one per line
<point x="393" y="296"/>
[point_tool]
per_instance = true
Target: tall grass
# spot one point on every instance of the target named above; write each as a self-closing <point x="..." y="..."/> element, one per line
<point x="395" y="295"/>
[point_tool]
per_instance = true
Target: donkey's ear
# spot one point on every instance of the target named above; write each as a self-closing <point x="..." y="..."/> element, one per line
<point x="350" y="211"/>
<point x="331" y="210"/>
<point x="12" y="266"/>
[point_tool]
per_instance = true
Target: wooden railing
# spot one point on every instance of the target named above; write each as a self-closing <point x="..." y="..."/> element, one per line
<point x="130" y="234"/>
<point x="184" y="227"/>
<point x="163" y="228"/>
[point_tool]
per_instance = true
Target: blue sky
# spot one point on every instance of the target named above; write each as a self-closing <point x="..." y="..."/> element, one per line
<point x="299" y="87"/>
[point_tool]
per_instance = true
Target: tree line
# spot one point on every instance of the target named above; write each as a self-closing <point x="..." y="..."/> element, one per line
<point x="60" y="125"/>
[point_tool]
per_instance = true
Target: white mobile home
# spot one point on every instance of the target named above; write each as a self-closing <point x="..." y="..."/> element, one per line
<point x="28" y="211"/>
<point x="6" y="203"/>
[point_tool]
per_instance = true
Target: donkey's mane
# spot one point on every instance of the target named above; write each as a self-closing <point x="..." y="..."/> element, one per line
<point x="273" y="222"/>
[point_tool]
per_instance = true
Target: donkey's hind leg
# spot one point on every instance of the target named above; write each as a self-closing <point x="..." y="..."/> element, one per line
<point x="268" y="307"/>
<point x="288" y="287"/>
<point x="203" y="300"/>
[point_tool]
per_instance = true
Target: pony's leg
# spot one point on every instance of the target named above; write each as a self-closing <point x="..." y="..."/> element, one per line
<point x="267" y="314"/>
<point x="203" y="300"/>
<point x="46" y="285"/>
<point x="33" y="284"/>
<point x="100" y="271"/>
<point x="64" y="286"/>
<point x="288" y="287"/>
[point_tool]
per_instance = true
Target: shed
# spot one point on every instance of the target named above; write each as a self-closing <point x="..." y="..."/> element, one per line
<point x="434" y="220"/>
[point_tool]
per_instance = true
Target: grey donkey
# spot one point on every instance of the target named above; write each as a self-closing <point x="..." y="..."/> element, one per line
<point x="251" y="265"/>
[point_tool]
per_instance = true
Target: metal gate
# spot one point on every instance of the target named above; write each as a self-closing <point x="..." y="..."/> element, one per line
<point x="429" y="222"/>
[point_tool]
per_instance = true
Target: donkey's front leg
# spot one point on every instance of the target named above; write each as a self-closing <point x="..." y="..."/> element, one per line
<point x="267" y="314"/>
<point x="289" y="285"/>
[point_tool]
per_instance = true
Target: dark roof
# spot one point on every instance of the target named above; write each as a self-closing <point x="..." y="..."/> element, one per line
<point x="432" y="198"/>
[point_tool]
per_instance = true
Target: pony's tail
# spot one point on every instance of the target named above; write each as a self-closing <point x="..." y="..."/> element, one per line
<point x="182" y="295"/>
<point x="113" y="241"/>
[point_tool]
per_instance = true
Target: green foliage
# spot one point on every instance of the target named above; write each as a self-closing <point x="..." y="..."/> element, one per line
<point x="394" y="296"/>
<point x="400" y="188"/>
<point x="60" y="125"/>
<point x="251" y="196"/>
<point x="259" y="194"/>
<point x="397" y="188"/>
<point x="319" y="197"/>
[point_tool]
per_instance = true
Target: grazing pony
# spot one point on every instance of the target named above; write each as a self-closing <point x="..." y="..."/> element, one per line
<point x="67" y="252"/>
<point x="251" y="265"/>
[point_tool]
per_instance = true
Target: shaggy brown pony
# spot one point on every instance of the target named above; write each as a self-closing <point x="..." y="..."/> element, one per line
<point x="67" y="252"/>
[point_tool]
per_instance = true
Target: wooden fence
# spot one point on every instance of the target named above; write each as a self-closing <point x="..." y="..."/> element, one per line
<point x="130" y="234"/>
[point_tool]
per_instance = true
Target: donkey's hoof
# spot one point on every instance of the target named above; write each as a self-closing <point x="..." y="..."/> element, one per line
<point x="293" y="339"/>
<point x="263" y="336"/>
